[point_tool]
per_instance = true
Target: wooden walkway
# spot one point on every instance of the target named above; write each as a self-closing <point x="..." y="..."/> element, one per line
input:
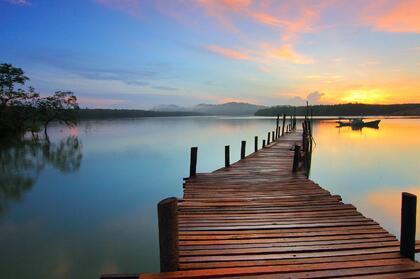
<point x="257" y="219"/>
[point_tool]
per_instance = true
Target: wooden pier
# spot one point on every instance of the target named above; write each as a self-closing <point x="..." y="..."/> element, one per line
<point x="257" y="218"/>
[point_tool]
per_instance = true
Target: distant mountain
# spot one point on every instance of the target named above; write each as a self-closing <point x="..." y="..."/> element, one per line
<point x="232" y="108"/>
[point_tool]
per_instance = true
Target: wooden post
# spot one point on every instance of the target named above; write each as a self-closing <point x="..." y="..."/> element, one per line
<point x="193" y="161"/>
<point x="268" y="138"/>
<point x="284" y="123"/>
<point x="243" y="143"/>
<point x="227" y="156"/>
<point x="291" y="122"/>
<point x="272" y="136"/>
<point x="256" y="144"/>
<point x="296" y="158"/>
<point x="168" y="234"/>
<point x="263" y="144"/>
<point x="408" y="225"/>
<point x="277" y="126"/>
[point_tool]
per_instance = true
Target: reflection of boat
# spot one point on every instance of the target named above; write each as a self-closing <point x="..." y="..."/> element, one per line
<point x="359" y="123"/>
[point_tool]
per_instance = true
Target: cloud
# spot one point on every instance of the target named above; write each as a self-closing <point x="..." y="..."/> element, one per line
<point x="401" y="17"/>
<point x="263" y="56"/>
<point x="167" y="88"/>
<point x="285" y="52"/>
<point x="314" y="97"/>
<point x="19" y="2"/>
<point x="227" y="52"/>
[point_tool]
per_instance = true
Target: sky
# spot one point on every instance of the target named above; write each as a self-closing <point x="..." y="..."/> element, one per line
<point x="141" y="53"/>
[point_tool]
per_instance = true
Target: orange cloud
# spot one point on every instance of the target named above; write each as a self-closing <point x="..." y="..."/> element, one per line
<point x="264" y="56"/>
<point x="285" y="52"/>
<point x="291" y="28"/>
<point x="231" y="5"/>
<point x="402" y="17"/>
<point x="227" y="52"/>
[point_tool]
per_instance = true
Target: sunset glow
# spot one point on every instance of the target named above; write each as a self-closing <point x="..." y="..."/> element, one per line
<point x="139" y="54"/>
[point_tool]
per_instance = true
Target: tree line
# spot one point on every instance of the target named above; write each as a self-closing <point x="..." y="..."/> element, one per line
<point x="343" y="110"/>
<point x="25" y="110"/>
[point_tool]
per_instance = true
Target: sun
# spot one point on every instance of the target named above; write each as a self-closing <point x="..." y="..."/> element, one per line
<point x="365" y="96"/>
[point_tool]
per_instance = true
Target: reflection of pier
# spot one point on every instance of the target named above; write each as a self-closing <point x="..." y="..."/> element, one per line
<point x="261" y="217"/>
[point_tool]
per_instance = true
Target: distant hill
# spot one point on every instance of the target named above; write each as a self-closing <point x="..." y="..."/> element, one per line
<point x="232" y="108"/>
<point x="345" y="110"/>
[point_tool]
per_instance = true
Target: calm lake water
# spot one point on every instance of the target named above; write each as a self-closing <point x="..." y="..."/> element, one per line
<point x="86" y="203"/>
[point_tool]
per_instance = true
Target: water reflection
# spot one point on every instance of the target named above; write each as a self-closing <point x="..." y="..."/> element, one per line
<point x="101" y="218"/>
<point x="370" y="167"/>
<point x="21" y="163"/>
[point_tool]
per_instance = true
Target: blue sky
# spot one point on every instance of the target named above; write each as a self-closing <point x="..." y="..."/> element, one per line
<point x="139" y="53"/>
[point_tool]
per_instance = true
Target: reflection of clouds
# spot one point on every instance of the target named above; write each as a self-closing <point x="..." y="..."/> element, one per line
<point x="386" y="205"/>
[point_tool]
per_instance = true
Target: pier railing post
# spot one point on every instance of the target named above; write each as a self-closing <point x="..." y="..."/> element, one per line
<point x="263" y="143"/>
<point x="284" y="123"/>
<point x="243" y="146"/>
<point x="168" y="234"/>
<point x="296" y="158"/>
<point x="227" y="156"/>
<point x="277" y="126"/>
<point x="268" y="138"/>
<point x="272" y="136"/>
<point x="193" y="161"/>
<point x="256" y="144"/>
<point x="408" y="225"/>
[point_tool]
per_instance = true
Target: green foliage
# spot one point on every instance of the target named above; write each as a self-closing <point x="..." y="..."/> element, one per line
<point x="59" y="107"/>
<point x="24" y="110"/>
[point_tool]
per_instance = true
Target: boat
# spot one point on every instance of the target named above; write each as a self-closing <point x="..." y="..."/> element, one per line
<point x="359" y="123"/>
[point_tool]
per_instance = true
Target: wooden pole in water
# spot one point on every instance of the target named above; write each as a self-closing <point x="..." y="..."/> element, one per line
<point x="227" y="156"/>
<point x="272" y="136"/>
<point x="256" y="144"/>
<point x="296" y="158"/>
<point x="277" y="126"/>
<point x="263" y="143"/>
<point x="408" y="225"/>
<point x="284" y="122"/>
<point x="193" y="161"/>
<point x="243" y="144"/>
<point x="268" y="138"/>
<point x="291" y="122"/>
<point x="168" y="234"/>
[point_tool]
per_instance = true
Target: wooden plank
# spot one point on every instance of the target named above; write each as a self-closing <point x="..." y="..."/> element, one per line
<point x="257" y="219"/>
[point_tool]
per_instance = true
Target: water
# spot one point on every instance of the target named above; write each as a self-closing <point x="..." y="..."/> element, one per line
<point x="86" y="203"/>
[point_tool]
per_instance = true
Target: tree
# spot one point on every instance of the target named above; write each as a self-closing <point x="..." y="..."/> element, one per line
<point x="60" y="107"/>
<point x="16" y="103"/>
<point x="23" y="109"/>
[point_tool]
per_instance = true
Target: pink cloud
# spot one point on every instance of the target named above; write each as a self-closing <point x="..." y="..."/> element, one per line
<point x="227" y="52"/>
<point x="284" y="52"/>
<point x="403" y="16"/>
<point x="264" y="56"/>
